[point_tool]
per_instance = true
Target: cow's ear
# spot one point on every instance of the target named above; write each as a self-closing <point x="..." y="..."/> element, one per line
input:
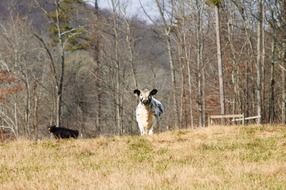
<point x="153" y="92"/>
<point x="136" y="92"/>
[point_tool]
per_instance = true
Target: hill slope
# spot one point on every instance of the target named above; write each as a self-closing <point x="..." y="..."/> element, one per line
<point x="211" y="158"/>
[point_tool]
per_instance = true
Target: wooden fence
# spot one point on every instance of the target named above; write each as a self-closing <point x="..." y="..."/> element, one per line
<point x="230" y="119"/>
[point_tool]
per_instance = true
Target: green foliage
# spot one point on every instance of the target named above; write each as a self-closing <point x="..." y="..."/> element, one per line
<point x="79" y="40"/>
<point x="162" y="165"/>
<point x="162" y="151"/>
<point x="215" y="2"/>
<point x="63" y="22"/>
<point x="259" y="150"/>
<point x="140" y="150"/>
<point x="219" y="147"/>
<point x="51" y="145"/>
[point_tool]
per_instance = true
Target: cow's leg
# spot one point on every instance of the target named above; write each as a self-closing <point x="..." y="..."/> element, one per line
<point x="141" y="128"/>
<point x="154" y="124"/>
<point x="150" y="132"/>
<point x="145" y="131"/>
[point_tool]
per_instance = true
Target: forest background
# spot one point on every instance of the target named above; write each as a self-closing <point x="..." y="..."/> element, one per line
<point x="72" y="64"/>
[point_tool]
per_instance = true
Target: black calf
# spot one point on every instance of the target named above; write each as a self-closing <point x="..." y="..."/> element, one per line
<point x="63" y="133"/>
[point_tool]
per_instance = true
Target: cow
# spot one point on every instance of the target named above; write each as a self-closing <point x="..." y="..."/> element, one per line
<point x="62" y="133"/>
<point x="148" y="111"/>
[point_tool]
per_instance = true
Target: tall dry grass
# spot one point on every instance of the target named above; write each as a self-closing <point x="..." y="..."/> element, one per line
<point x="211" y="158"/>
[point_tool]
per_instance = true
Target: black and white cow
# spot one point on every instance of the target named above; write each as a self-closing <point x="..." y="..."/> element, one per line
<point x="148" y="111"/>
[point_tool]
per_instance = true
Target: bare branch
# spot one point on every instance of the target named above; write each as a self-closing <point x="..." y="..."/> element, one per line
<point x="52" y="63"/>
<point x="145" y="12"/>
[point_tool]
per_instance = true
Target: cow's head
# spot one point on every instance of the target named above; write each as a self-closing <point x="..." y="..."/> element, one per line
<point x="51" y="128"/>
<point x="145" y="96"/>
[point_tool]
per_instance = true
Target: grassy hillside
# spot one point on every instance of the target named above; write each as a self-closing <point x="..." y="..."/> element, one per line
<point x="211" y="158"/>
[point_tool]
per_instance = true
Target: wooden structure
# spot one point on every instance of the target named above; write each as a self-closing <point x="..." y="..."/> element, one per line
<point x="224" y="118"/>
<point x="231" y="118"/>
<point x="248" y="118"/>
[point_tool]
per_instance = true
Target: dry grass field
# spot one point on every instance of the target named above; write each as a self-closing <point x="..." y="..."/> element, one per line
<point x="247" y="157"/>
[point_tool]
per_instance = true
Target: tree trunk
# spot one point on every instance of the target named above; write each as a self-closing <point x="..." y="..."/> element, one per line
<point x="283" y="75"/>
<point x="60" y="91"/>
<point x="263" y="108"/>
<point x="97" y="70"/>
<point x="200" y="69"/>
<point x="219" y="61"/>
<point x="271" y="106"/>
<point x="131" y="55"/>
<point x="235" y="73"/>
<point x="28" y="104"/>
<point x="189" y="80"/>
<point x="16" y="120"/>
<point x="117" y="91"/>
<point x="173" y="80"/>
<point x="182" y="81"/>
<point x="55" y="81"/>
<point x="117" y="71"/>
<point x="251" y="52"/>
<point x="35" y="112"/>
<point x="62" y="71"/>
<point x="96" y="7"/>
<point x="259" y="61"/>
<point x="190" y="92"/>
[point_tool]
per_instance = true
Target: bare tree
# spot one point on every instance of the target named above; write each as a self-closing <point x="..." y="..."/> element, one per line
<point x="98" y="71"/>
<point x="20" y="61"/>
<point x="167" y="37"/>
<point x="63" y="37"/>
<point x="200" y="66"/>
<point x="260" y="59"/>
<point x="271" y="106"/>
<point x="117" y="91"/>
<point x="217" y="4"/>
